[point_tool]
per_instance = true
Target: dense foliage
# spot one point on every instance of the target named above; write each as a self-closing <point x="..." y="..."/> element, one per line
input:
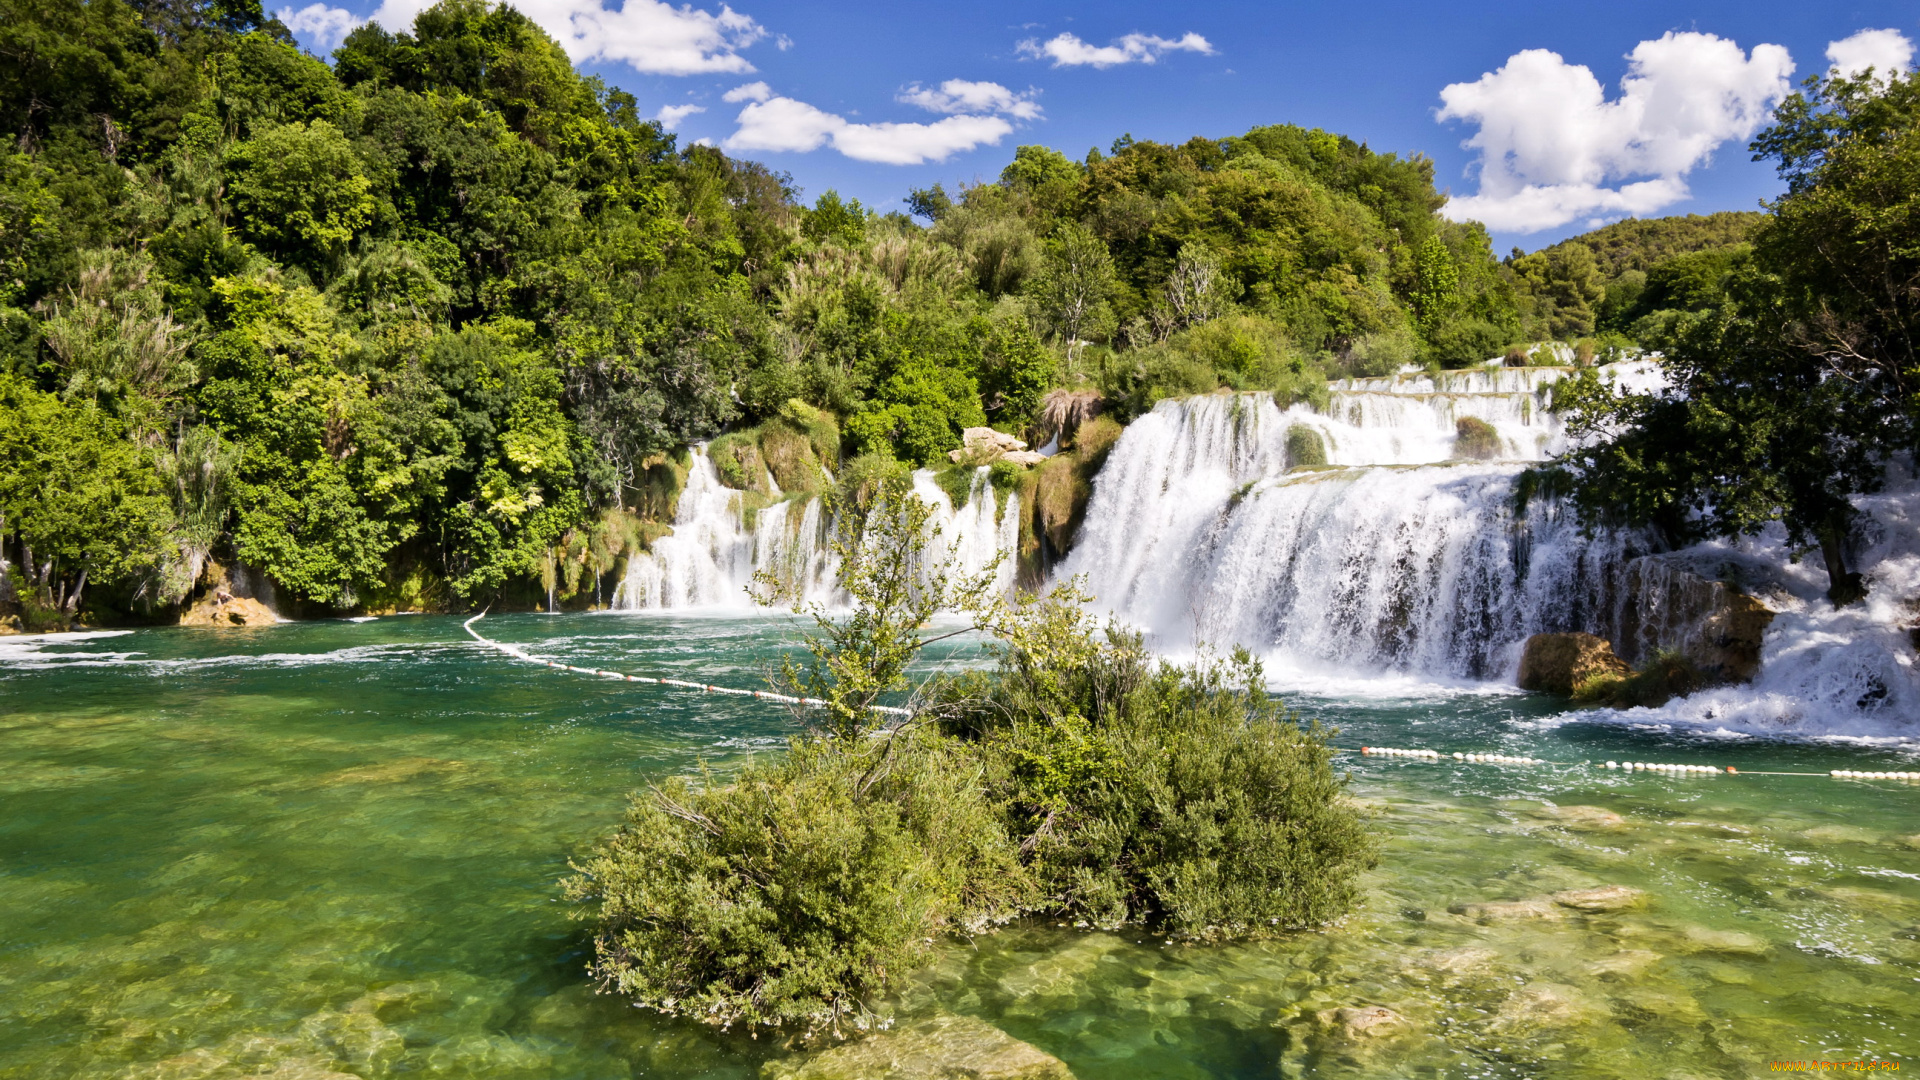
<point x="1079" y="779"/>
<point x="1794" y="381"/>
<point x="427" y="324"/>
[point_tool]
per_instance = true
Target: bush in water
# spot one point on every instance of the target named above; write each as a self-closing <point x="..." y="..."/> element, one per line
<point x="1080" y="778"/>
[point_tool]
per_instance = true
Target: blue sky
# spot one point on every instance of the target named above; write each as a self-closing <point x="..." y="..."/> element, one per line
<point x="856" y="96"/>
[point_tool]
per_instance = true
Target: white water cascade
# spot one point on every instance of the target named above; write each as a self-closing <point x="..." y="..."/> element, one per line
<point x="717" y="546"/>
<point x="1395" y="558"/>
<point x="1382" y="560"/>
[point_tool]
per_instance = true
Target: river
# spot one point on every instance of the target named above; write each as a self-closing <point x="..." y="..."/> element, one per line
<point x="333" y="847"/>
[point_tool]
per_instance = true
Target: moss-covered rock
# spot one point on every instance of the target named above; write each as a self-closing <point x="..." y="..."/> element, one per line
<point x="1306" y="448"/>
<point x="1559" y="663"/>
<point x="1475" y="440"/>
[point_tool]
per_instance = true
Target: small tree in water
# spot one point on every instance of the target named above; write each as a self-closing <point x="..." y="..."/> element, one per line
<point x="1080" y="778"/>
<point x="858" y="656"/>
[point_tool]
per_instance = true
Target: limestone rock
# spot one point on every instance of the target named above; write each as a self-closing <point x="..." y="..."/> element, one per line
<point x="230" y="611"/>
<point x="1556" y="663"/>
<point x="1625" y="964"/>
<point x="943" y="1048"/>
<point x="1538" y="1005"/>
<point x="1354" y="1023"/>
<point x="1604" y="898"/>
<point x="1507" y="910"/>
<point x="1586" y="818"/>
<point x="1706" y="939"/>
<point x="1023" y="457"/>
<point x="982" y="445"/>
<point x="1715" y="626"/>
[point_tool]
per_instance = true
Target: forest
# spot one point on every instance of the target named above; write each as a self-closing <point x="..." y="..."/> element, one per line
<point x="430" y="326"/>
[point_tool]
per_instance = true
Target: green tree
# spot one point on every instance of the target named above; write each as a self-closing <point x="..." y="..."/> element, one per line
<point x="299" y="192"/>
<point x="1075" y="279"/>
<point x="81" y="502"/>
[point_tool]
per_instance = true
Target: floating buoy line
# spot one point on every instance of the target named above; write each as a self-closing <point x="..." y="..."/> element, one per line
<point x="1665" y="768"/>
<point x="681" y="684"/>
<point x="1462" y="757"/>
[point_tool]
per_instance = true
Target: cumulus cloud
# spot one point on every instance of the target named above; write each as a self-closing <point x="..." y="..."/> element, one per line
<point x="961" y="96"/>
<point x="753" y="91"/>
<point x="650" y="36"/>
<point x="327" y="26"/>
<point x="1067" y="50"/>
<point x="669" y="116"/>
<point x="1885" y="51"/>
<point x="978" y="116"/>
<point x="1553" y="149"/>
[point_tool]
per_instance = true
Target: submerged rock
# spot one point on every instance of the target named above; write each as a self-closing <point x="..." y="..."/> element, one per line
<point x="1354" y="1023"/>
<point x="1539" y="1005"/>
<point x="1506" y="910"/>
<point x="1604" y="898"/>
<point x="943" y="1048"/>
<point x="228" y="612"/>
<point x="1585" y="817"/>
<point x="1559" y="663"/>
<point x="1625" y="964"/>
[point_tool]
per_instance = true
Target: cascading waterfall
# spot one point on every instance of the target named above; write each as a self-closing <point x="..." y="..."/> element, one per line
<point x="718" y="547"/>
<point x="1395" y="558"/>
<point x="1198" y="532"/>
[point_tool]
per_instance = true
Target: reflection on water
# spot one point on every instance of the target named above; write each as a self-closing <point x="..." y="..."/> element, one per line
<point x="325" y="850"/>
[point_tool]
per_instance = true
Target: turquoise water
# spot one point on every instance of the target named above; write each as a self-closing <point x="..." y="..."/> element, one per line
<point x="332" y="849"/>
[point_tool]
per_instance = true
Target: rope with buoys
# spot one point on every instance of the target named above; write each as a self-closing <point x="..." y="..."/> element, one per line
<point x="1664" y="768"/>
<point x="1369" y="751"/>
<point x="681" y="684"/>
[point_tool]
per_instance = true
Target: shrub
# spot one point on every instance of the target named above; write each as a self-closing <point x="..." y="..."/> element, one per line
<point x="1667" y="676"/>
<point x="1305" y="447"/>
<point x="792" y="892"/>
<point x="1475" y="440"/>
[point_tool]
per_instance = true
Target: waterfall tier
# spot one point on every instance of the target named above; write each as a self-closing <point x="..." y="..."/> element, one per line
<point x="718" y="545"/>
<point x="1197" y="532"/>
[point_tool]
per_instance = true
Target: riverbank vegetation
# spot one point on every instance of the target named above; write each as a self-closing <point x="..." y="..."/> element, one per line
<point x="1078" y="780"/>
<point x="406" y="328"/>
<point x="1792" y="374"/>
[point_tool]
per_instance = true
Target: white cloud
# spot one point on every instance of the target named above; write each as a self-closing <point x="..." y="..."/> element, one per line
<point x="753" y="91"/>
<point x="911" y="144"/>
<point x="1553" y="149"/>
<point x="650" y="36"/>
<point x="1885" y="51"/>
<point x="784" y="124"/>
<point x="669" y="116"/>
<point x="961" y="96"/>
<point x="1067" y="50"/>
<point x="327" y="26"/>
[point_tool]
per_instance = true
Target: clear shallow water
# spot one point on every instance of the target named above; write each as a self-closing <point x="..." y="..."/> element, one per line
<point x="333" y="848"/>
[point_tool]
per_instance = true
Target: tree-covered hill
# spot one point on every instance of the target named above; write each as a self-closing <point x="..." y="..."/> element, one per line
<point x="428" y="324"/>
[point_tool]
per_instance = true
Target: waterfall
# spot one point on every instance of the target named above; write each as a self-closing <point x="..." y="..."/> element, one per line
<point x="718" y="545"/>
<point x="1395" y="558"/>
<point x="1197" y="532"/>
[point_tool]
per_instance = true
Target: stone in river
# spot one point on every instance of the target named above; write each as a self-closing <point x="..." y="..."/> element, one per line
<point x="232" y="611"/>
<point x="1840" y="834"/>
<point x="943" y="1048"/>
<point x="1559" y="663"/>
<point x="1706" y="939"/>
<point x="1354" y="1023"/>
<point x="1585" y="817"/>
<point x="1504" y="910"/>
<point x="1539" y="1005"/>
<point x="1604" y="898"/>
<point x="1625" y="964"/>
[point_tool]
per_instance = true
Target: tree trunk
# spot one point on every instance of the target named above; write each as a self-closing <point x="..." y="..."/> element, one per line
<point x="1843" y="586"/>
<point x="73" y="601"/>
